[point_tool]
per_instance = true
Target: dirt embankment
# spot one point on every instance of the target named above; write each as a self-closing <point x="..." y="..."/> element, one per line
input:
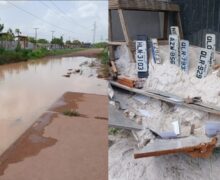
<point x="93" y="52"/>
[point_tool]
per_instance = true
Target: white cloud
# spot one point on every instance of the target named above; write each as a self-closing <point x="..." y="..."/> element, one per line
<point x="78" y="14"/>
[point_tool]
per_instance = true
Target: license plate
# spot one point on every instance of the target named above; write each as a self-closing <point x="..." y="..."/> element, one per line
<point x="174" y="49"/>
<point x="203" y="64"/>
<point x="184" y="55"/>
<point x="175" y="30"/>
<point x="210" y="44"/>
<point x="155" y="51"/>
<point x="141" y="56"/>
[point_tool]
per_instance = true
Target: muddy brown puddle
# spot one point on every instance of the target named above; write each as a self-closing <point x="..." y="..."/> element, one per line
<point x="28" y="89"/>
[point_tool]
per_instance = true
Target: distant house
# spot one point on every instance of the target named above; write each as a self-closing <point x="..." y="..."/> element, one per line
<point x="3" y="34"/>
<point x="23" y="40"/>
<point x="86" y="45"/>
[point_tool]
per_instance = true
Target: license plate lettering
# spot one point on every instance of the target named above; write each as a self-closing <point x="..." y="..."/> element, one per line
<point x="174" y="49"/>
<point x="210" y="44"/>
<point x="141" y="56"/>
<point x="155" y="51"/>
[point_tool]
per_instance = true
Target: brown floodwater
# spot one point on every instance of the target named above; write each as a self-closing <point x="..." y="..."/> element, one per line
<point x="28" y="89"/>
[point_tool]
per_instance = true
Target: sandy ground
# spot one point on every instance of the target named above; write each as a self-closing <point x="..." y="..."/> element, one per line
<point x="62" y="147"/>
<point x="123" y="166"/>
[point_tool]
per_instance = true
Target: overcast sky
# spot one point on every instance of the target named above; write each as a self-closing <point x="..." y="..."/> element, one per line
<point x="73" y="19"/>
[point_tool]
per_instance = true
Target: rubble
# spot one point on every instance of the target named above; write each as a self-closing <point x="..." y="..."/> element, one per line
<point x="165" y="79"/>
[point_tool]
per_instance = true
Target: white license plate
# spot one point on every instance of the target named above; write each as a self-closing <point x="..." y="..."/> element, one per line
<point x="210" y="44"/>
<point x="141" y="56"/>
<point x="155" y="51"/>
<point x="184" y="55"/>
<point x="174" y="49"/>
<point x="175" y="30"/>
<point x="203" y="64"/>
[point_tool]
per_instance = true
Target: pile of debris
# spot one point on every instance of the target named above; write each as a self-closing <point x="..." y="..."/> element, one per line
<point x="178" y="111"/>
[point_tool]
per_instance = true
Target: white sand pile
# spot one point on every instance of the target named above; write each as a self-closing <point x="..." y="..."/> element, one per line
<point x="170" y="78"/>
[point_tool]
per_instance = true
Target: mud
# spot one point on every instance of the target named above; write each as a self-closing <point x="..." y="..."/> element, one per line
<point x="28" y="89"/>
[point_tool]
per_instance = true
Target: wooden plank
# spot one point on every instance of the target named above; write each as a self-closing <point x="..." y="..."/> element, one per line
<point x="125" y="33"/>
<point x="143" y="5"/>
<point x="179" y="24"/>
<point x="171" y="99"/>
<point x="114" y="43"/>
<point x="123" y="25"/>
<point x="111" y="51"/>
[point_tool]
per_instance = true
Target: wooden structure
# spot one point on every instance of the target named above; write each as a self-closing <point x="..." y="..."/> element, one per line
<point x="140" y="5"/>
<point x="23" y="40"/>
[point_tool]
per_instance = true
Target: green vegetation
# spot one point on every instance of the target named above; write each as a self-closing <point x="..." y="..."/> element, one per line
<point x="104" y="57"/>
<point x="113" y="131"/>
<point x="100" y="45"/>
<point x="71" y="113"/>
<point x="10" y="56"/>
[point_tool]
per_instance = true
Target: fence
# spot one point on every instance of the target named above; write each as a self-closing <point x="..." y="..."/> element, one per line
<point x="198" y="18"/>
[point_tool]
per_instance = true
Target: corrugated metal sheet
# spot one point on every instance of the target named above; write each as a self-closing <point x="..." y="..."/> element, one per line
<point x="198" y="18"/>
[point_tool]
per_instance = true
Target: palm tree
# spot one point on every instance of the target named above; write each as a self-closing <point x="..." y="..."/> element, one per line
<point x="18" y="32"/>
<point x="10" y="34"/>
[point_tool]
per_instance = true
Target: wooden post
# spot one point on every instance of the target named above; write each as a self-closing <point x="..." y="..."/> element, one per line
<point x="165" y="26"/>
<point x="179" y="24"/>
<point x="112" y="57"/>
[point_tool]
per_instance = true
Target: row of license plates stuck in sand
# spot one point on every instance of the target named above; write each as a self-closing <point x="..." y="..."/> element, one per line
<point x="179" y="53"/>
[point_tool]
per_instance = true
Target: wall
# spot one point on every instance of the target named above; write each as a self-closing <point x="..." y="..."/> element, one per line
<point x="198" y="18"/>
<point x="138" y="23"/>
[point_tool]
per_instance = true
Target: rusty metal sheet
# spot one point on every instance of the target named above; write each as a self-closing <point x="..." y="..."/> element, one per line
<point x="200" y="146"/>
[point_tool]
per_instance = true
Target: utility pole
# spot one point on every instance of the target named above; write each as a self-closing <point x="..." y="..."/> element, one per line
<point x="51" y="45"/>
<point x="52" y="34"/>
<point x="36" y="36"/>
<point x="94" y="32"/>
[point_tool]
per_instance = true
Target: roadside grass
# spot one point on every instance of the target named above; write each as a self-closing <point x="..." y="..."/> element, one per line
<point x="104" y="57"/>
<point x="71" y="113"/>
<point x="11" y="56"/>
<point x="113" y="131"/>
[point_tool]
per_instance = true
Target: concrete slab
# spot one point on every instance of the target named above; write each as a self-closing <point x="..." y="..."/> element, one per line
<point x="118" y="120"/>
<point x="62" y="147"/>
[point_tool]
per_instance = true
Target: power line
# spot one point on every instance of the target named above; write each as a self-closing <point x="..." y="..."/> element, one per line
<point x="27" y="12"/>
<point x="59" y="11"/>
<point x="64" y="13"/>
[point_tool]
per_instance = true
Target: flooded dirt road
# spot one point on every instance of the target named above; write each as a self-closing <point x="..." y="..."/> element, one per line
<point x="27" y="89"/>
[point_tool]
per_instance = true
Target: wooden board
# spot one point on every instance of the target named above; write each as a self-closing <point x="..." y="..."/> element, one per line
<point x="170" y="98"/>
<point x="145" y="5"/>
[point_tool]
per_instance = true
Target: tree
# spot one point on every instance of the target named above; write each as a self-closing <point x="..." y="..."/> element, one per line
<point x="77" y="43"/>
<point x="58" y="41"/>
<point x="10" y="35"/>
<point x="68" y="42"/>
<point x="1" y="27"/>
<point x="18" y="32"/>
<point x="32" y="40"/>
<point x="42" y="41"/>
